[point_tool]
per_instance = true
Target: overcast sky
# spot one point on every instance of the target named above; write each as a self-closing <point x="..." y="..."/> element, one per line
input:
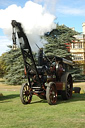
<point x="68" y="12"/>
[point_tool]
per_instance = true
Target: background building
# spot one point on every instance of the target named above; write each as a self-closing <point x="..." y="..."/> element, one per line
<point x="78" y="49"/>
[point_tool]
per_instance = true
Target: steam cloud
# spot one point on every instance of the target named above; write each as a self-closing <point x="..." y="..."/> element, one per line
<point x="35" y="19"/>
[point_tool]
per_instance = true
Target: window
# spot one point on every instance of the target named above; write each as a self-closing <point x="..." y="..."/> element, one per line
<point x="77" y="57"/>
<point x="80" y="45"/>
<point x="77" y="45"/>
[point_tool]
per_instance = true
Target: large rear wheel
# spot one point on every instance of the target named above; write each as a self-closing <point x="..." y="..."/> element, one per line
<point x="25" y="94"/>
<point x="67" y="93"/>
<point x="51" y="94"/>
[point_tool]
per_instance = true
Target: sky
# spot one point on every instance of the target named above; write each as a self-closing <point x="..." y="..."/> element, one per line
<point x="38" y="17"/>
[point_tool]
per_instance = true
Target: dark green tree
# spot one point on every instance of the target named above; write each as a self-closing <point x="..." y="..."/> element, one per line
<point x="2" y="67"/>
<point x="59" y="41"/>
<point x="14" y="67"/>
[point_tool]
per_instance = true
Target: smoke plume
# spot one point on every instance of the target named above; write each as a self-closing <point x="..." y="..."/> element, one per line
<point x="35" y="19"/>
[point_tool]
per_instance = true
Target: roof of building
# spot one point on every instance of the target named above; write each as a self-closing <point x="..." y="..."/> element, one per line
<point x="79" y="36"/>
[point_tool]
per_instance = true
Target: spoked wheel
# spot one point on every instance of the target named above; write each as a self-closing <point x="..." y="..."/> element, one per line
<point x="25" y="94"/>
<point x="51" y="94"/>
<point x="67" y="93"/>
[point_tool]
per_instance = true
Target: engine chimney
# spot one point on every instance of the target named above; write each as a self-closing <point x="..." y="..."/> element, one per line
<point x="40" y="57"/>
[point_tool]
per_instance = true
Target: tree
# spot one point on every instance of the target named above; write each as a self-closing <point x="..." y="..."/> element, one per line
<point x="14" y="67"/>
<point x="14" y="63"/>
<point x="2" y="67"/>
<point x="59" y="41"/>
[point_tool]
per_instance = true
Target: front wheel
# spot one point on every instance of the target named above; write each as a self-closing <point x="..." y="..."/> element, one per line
<point x="25" y="94"/>
<point x="51" y="94"/>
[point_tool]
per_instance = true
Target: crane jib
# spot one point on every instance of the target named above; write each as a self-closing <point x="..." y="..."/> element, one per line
<point x="25" y="49"/>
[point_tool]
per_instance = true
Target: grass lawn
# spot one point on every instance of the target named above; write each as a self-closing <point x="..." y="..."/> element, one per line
<point x="39" y="114"/>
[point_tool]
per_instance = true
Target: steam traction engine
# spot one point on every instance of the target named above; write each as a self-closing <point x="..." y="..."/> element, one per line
<point x="48" y="78"/>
